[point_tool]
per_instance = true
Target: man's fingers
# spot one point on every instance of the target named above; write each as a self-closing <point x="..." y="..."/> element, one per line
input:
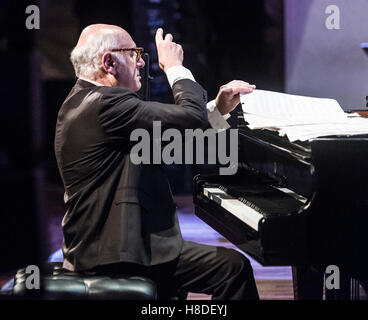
<point x="159" y="35"/>
<point x="240" y="83"/>
<point x="169" y="53"/>
<point x="229" y="95"/>
<point x="169" y="37"/>
<point x="237" y="83"/>
<point x="232" y="90"/>
<point x="226" y="90"/>
<point x="244" y="89"/>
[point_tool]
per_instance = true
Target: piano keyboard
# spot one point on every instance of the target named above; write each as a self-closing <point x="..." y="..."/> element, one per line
<point x="243" y="212"/>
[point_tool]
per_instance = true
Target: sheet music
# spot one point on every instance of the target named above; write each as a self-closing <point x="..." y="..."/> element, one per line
<point x="307" y="132"/>
<point x="299" y="117"/>
<point x="288" y="106"/>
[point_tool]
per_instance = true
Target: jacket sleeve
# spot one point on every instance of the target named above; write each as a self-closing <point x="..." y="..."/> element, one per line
<point x="122" y="111"/>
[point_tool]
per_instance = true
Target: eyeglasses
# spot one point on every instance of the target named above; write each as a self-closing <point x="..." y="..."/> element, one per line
<point x="138" y="51"/>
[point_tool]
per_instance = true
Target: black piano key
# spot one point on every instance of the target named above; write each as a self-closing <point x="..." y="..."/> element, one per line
<point x="264" y="199"/>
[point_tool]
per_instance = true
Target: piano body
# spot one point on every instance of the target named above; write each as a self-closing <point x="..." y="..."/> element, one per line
<point x="297" y="204"/>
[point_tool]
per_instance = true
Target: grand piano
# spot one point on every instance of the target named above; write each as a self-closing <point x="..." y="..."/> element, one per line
<point x="301" y="204"/>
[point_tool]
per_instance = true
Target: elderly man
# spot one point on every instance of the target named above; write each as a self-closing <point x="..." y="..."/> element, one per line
<point x="121" y="217"/>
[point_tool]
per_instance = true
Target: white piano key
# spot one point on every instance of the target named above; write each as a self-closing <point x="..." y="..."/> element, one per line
<point x="240" y="210"/>
<point x="248" y="215"/>
<point x="209" y="191"/>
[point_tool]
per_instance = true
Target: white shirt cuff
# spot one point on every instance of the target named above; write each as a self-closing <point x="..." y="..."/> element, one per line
<point x="215" y="118"/>
<point x="178" y="73"/>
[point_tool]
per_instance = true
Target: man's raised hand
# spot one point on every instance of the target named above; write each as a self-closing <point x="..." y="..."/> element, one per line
<point x="170" y="54"/>
<point x="228" y="96"/>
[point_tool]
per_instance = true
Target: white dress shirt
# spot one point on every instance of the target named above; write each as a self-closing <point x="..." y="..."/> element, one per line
<point x="216" y="120"/>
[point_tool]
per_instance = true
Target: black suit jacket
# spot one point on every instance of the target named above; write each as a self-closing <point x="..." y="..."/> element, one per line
<point x="118" y="211"/>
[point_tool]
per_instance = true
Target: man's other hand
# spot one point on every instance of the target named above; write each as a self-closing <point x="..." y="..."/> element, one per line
<point x="228" y="96"/>
<point x="170" y="54"/>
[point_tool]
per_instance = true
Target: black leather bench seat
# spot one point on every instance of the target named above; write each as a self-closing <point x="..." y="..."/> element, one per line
<point x="58" y="283"/>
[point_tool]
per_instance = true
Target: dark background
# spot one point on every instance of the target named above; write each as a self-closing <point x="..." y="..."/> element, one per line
<point x="222" y="41"/>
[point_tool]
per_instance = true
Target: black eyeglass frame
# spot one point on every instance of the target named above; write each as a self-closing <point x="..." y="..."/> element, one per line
<point x="138" y="51"/>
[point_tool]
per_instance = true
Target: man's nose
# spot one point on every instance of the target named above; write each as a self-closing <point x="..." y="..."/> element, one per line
<point x="141" y="63"/>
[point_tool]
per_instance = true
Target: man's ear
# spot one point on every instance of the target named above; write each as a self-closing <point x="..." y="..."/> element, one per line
<point x="108" y="63"/>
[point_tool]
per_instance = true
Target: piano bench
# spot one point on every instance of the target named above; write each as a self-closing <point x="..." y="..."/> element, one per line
<point x="58" y="284"/>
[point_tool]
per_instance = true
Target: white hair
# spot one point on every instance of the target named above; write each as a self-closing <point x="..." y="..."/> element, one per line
<point x="86" y="59"/>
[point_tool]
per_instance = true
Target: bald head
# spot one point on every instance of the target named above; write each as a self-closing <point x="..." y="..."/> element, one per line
<point x="93" y="42"/>
<point x="94" y="31"/>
